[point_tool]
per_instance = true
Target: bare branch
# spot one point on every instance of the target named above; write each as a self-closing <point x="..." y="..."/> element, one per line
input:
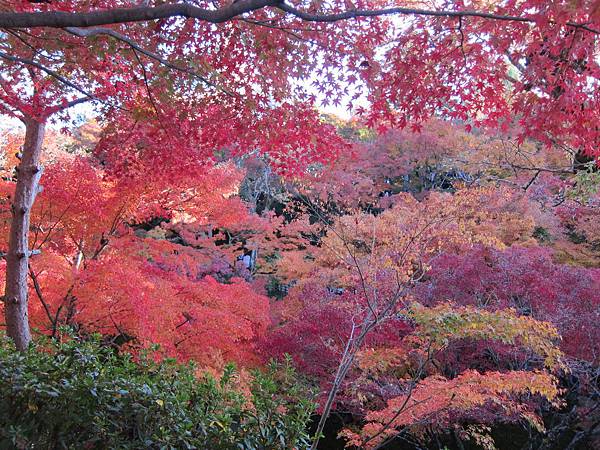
<point x="60" y="19"/>
<point x="40" y="296"/>
<point x="335" y="17"/>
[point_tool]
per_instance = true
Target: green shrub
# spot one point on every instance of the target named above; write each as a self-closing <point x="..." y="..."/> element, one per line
<point x="79" y="394"/>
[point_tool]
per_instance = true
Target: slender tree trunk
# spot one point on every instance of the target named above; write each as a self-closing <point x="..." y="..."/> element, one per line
<point x="352" y="347"/>
<point x="17" y="258"/>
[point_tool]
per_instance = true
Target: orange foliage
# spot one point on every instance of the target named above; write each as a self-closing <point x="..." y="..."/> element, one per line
<point x="128" y="293"/>
<point x="410" y="232"/>
<point x="435" y="401"/>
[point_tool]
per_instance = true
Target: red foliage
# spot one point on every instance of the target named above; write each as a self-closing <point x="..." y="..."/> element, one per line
<point x="526" y="279"/>
<point x="129" y="293"/>
<point x="96" y="274"/>
<point x="457" y="71"/>
<point x="315" y="333"/>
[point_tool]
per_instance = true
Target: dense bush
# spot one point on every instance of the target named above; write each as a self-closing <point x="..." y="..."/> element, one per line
<point x="80" y="394"/>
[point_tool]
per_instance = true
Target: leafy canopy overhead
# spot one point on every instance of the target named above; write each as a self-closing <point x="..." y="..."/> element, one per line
<point x="245" y="63"/>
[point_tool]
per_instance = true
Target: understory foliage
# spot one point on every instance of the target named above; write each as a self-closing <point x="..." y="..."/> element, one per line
<point x="82" y="394"/>
<point x="437" y="400"/>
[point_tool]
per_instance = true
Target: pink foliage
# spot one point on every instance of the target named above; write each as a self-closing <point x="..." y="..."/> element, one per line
<point x="530" y="281"/>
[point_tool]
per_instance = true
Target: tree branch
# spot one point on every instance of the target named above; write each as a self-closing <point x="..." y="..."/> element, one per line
<point x="135" y="46"/>
<point x="335" y="17"/>
<point x="60" y="19"/>
<point x="74" y="102"/>
<point x="38" y="291"/>
<point x="54" y="74"/>
<point x="145" y="75"/>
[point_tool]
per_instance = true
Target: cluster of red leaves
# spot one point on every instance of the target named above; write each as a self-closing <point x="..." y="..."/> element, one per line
<point x="317" y="322"/>
<point x="130" y="292"/>
<point x="526" y="279"/>
<point x="96" y="274"/>
<point x="198" y="136"/>
<point x="463" y="66"/>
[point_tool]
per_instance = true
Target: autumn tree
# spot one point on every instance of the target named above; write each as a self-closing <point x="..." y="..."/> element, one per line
<point x="185" y="90"/>
<point x="249" y="59"/>
<point x="47" y="71"/>
<point x="88" y="234"/>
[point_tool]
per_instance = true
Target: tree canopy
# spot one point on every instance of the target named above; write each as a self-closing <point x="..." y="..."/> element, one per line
<point x="427" y="264"/>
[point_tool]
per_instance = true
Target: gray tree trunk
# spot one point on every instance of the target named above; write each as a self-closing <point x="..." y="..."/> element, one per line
<point x="17" y="257"/>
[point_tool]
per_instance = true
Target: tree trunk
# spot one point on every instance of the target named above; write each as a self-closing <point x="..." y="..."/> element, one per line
<point x="17" y="257"/>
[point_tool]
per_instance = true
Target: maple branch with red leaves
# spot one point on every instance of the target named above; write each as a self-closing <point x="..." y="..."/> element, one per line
<point x="60" y="19"/>
<point x="87" y="96"/>
<point x="136" y="47"/>
<point x="50" y="72"/>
